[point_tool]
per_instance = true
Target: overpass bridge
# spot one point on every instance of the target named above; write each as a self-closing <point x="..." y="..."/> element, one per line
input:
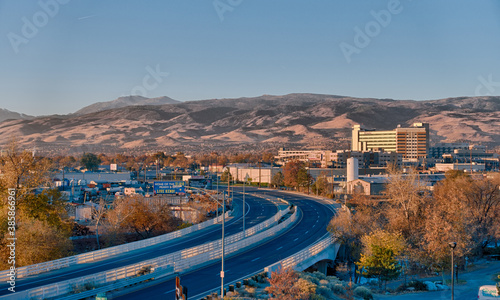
<point x="304" y="243"/>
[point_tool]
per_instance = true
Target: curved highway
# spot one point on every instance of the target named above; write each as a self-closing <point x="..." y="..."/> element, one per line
<point x="311" y="227"/>
<point x="258" y="210"/>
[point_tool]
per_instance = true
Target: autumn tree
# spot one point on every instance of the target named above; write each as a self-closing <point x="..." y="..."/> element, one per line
<point x="277" y="180"/>
<point x="90" y="161"/>
<point x="406" y="211"/>
<point x="296" y="175"/>
<point x="145" y="218"/>
<point x="98" y="214"/>
<point x="380" y="255"/>
<point x="38" y="241"/>
<point x="321" y="186"/>
<point x="42" y="229"/>
<point x="465" y="211"/>
<point x="349" y="226"/>
<point x="284" y="285"/>
<point x="23" y="171"/>
<point x="226" y="175"/>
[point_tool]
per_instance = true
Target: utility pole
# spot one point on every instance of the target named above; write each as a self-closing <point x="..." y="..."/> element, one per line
<point x="332" y="182"/>
<point x="223" y="224"/>
<point x="308" y="170"/>
<point x="452" y="246"/>
<point x="259" y="173"/>
<point x="244" y="183"/>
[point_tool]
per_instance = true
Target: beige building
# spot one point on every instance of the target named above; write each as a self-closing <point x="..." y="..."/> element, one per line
<point x="320" y="157"/>
<point x="411" y="142"/>
<point x="253" y="174"/>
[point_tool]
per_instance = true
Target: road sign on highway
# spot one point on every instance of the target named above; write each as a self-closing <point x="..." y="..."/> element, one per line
<point x="169" y="187"/>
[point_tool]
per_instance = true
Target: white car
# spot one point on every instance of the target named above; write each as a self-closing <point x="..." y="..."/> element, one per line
<point x="488" y="292"/>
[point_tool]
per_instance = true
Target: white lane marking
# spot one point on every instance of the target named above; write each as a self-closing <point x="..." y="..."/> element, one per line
<point x="307" y="232"/>
<point x="314" y="225"/>
<point x="295" y="239"/>
<point x="255" y="259"/>
<point x="279" y="248"/>
<point x="169" y="291"/>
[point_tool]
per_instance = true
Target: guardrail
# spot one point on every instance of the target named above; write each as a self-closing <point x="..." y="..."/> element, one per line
<point x="95" y="283"/>
<point x="181" y="260"/>
<point x="303" y="255"/>
<point x="105" y="253"/>
<point x="187" y="264"/>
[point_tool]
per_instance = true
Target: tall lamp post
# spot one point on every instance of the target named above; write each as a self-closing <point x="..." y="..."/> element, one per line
<point x="244" y="183"/>
<point x="223" y="242"/>
<point x="452" y="246"/>
<point x="222" y="267"/>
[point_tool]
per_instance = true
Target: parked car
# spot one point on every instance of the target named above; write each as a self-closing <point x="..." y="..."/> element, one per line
<point x="488" y="292"/>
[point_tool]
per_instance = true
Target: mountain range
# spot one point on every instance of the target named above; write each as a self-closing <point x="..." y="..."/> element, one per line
<point x="11" y="115"/>
<point x="123" y="102"/>
<point x="298" y="120"/>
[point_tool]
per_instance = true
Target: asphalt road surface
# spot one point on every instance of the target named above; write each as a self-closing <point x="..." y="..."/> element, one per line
<point x="310" y="228"/>
<point x="258" y="210"/>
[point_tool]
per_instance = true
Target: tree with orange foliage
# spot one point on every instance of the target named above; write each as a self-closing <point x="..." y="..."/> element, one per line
<point x="284" y="286"/>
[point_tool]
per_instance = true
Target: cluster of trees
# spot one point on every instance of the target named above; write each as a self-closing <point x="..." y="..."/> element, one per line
<point x="42" y="227"/>
<point x="142" y="217"/>
<point x="412" y="227"/>
<point x="91" y="161"/>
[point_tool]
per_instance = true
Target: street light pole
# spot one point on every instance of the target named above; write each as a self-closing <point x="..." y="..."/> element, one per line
<point x="222" y="268"/>
<point x="452" y="246"/>
<point x="244" y="182"/>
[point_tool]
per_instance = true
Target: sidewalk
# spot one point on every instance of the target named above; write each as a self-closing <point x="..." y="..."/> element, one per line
<point x="481" y="275"/>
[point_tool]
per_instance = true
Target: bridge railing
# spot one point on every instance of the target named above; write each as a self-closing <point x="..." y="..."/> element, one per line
<point x="303" y="255"/>
<point x="197" y="260"/>
<point x="168" y="264"/>
<point x="105" y="253"/>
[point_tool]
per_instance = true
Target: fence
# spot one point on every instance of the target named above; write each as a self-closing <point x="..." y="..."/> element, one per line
<point x="181" y="260"/>
<point x="105" y="253"/>
<point x="303" y="255"/>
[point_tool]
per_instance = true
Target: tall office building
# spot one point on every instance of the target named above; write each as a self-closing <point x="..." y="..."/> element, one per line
<point x="412" y="142"/>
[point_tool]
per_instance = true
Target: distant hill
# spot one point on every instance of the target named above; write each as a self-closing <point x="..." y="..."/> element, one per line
<point x="299" y="120"/>
<point x="7" y="114"/>
<point x="123" y="102"/>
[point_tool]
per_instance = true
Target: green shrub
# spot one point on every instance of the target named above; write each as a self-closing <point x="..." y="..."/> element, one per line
<point x="332" y="278"/>
<point x="324" y="282"/>
<point x="319" y="275"/>
<point x="252" y="283"/>
<point x="338" y="289"/>
<point x="250" y="291"/>
<point x="306" y="286"/>
<point x="418" y="285"/>
<point x="363" y="292"/>
<point x="324" y="291"/>
<point x="310" y="278"/>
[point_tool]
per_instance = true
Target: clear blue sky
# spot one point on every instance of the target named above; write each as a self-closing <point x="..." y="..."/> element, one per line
<point x="88" y="51"/>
